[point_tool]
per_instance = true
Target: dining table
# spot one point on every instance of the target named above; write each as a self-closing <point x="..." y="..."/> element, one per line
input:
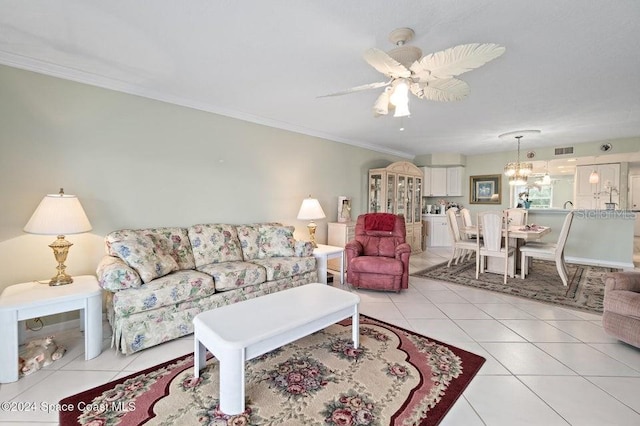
<point x="519" y="235"/>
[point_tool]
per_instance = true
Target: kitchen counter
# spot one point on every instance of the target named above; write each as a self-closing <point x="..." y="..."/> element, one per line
<point x="597" y="237"/>
<point x="600" y="213"/>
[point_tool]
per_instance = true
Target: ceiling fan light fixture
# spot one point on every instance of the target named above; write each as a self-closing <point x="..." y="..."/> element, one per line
<point x="381" y="107"/>
<point x="430" y="77"/>
<point x="402" y="110"/>
<point x="400" y="99"/>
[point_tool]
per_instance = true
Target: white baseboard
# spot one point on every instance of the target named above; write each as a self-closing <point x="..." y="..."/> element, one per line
<point x="599" y="262"/>
<point x="26" y="335"/>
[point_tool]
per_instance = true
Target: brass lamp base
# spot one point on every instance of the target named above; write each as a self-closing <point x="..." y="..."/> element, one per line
<point x="60" y="249"/>
<point x="312" y="233"/>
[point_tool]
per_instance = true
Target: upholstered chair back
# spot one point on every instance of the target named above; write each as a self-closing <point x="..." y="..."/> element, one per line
<point x="380" y="233"/>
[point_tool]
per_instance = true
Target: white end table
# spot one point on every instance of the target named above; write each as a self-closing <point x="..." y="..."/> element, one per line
<point x="323" y="253"/>
<point x="24" y="301"/>
<point x="244" y="330"/>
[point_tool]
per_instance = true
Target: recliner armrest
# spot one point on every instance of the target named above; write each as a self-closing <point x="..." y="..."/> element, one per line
<point x="402" y="249"/>
<point x="353" y="249"/>
<point x="629" y="281"/>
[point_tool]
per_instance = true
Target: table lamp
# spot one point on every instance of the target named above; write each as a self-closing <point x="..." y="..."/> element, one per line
<point x="59" y="214"/>
<point x="311" y="210"/>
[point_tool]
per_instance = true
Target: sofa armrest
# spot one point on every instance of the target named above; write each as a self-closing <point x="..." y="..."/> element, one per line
<point x="303" y="248"/>
<point x="115" y="275"/>
<point x="629" y="281"/>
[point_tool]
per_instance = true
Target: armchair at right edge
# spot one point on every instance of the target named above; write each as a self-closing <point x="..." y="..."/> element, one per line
<point x="378" y="257"/>
<point x="621" y="315"/>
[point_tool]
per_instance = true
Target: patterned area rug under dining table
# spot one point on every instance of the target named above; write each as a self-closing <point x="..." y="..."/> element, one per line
<point x="585" y="290"/>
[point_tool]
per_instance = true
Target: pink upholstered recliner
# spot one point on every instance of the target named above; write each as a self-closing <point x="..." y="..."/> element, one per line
<point x="378" y="258"/>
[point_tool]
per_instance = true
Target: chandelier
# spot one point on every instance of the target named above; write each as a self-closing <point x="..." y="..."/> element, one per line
<point x="516" y="171"/>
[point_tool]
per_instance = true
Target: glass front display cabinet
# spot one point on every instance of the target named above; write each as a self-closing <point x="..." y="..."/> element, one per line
<point x="397" y="189"/>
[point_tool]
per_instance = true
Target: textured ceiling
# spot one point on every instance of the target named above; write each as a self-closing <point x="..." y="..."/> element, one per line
<point x="570" y="67"/>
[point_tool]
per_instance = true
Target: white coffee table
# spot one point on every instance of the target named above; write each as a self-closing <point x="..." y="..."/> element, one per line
<point x="323" y="253"/>
<point x="241" y="331"/>
<point x="32" y="299"/>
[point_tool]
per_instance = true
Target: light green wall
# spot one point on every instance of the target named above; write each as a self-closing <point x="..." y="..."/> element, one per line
<point x="136" y="162"/>
<point x="562" y="190"/>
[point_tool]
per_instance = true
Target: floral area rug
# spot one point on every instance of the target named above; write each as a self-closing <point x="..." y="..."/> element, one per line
<point x="395" y="377"/>
<point x="585" y="290"/>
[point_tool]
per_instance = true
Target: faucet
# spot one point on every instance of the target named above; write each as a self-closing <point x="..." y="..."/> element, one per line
<point x="565" y="204"/>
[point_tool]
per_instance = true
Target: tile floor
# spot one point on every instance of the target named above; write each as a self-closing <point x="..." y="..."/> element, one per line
<point x="545" y="365"/>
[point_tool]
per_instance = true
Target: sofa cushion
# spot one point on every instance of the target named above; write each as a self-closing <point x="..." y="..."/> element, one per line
<point x="276" y="241"/>
<point x="214" y="243"/>
<point x="173" y="241"/>
<point x="169" y="290"/>
<point x="284" y="267"/>
<point x="141" y="254"/>
<point x="250" y="239"/>
<point x="230" y="275"/>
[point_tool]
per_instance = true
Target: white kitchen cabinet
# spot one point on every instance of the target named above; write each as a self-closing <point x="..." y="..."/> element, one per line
<point x="438" y="181"/>
<point x="443" y="181"/>
<point x="438" y="234"/>
<point x="593" y="196"/>
<point x="454" y="181"/>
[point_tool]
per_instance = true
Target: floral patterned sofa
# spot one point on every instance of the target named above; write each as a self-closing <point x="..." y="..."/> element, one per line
<point x="158" y="279"/>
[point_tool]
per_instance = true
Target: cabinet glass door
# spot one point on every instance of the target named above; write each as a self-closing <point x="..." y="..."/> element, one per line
<point x="391" y="192"/>
<point x="410" y="200"/>
<point x="401" y="196"/>
<point x="417" y="204"/>
<point x="375" y="192"/>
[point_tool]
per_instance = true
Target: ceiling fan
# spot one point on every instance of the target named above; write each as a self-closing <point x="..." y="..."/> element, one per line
<point x="430" y="77"/>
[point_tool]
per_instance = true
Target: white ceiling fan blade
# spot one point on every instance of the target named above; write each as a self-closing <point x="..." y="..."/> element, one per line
<point x="441" y="90"/>
<point x="359" y="88"/>
<point x="386" y="64"/>
<point x="455" y="61"/>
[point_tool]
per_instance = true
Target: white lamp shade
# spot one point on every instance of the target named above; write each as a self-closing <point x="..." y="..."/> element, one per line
<point x="310" y="210"/>
<point x="58" y="214"/>
<point x="594" y="177"/>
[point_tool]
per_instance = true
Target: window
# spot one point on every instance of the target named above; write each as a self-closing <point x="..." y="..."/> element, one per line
<point x="540" y="196"/>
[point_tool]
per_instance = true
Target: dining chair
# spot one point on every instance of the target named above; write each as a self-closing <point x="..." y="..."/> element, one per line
<point x="494" y="242"/>
<point x="465" y="213"/>
<point x="548" y="251"/>
<point x="461" y="245"/>
<point x="517" y="216"/>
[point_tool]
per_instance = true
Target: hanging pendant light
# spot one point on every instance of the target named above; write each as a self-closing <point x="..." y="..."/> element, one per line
<point x="546" y="180"/>
<point x="594" y="177"/>
<point x="518" y="172"/>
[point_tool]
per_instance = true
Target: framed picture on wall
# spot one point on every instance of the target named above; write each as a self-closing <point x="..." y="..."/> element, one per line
<point x="485" y="189"/>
